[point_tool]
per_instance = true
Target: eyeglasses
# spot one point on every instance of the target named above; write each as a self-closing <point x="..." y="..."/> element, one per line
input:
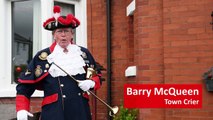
<point x="63" y="31"/>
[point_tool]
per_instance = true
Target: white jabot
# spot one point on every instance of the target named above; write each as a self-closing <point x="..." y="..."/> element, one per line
<point x="71" y="61"/>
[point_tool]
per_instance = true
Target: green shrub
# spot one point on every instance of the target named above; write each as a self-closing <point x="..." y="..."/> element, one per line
<point x="126" y="114"/>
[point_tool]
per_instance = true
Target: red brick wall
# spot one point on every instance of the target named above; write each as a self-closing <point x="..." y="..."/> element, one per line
<point x="122" y="43"/>
<point x="96" y="38"/>
<point x="7" y="101"/>
<point x="149" y="49"/>
<point x="35" y="106"/>
<point x="170" y="41"/>
<point x="188" y="51"/>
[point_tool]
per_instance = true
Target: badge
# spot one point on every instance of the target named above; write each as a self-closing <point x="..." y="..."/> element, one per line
<point x="27" y="72"/>
<point x="84" y="55"/>
<point x="49" y="26"/>
<point x="38" y="71"/>
<point x="47" y="66"/>
<point x="43" y="56"/>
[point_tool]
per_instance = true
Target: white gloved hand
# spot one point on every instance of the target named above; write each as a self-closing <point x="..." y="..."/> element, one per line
<point x="23" y="114"/>
<point x="85" y="85"/>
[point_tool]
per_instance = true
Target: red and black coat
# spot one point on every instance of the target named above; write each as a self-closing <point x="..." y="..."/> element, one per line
<point x="63" y="99"/>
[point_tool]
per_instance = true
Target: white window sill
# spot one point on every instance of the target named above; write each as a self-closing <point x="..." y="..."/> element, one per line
<point x="130" y="8"/>
<point x="10" y="91"/>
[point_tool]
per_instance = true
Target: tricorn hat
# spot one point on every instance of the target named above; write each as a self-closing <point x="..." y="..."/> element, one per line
<point x="58" y="21"/>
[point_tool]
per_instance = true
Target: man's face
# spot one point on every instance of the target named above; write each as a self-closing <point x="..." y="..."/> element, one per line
<point x="63" y="36"/>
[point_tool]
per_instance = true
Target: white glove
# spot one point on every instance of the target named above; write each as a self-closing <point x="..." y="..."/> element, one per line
<point x="23" y="114"/>
<point x="85" y="85"/>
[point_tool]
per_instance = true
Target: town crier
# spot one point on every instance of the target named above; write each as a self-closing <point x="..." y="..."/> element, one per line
<point x="64" y="99"/>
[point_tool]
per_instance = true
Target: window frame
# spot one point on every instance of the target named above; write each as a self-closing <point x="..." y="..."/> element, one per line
<point x="81" y="14"/>
<point x="41" y="38"/>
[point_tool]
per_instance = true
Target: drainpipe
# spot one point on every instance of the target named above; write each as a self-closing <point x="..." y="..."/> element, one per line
<point x="108" y="10"/>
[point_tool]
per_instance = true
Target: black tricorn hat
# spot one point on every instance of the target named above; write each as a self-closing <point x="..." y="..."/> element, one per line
<point x="58" y="21"/>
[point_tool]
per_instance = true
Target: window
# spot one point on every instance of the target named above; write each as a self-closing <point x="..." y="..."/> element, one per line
<point x="67" y="9"/>
<point x="22" y="34"/>
<point x="78" y="8"/>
